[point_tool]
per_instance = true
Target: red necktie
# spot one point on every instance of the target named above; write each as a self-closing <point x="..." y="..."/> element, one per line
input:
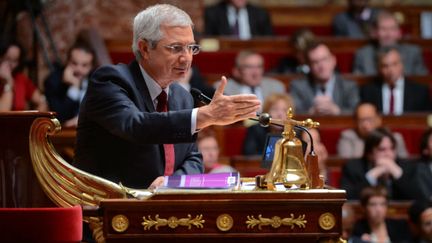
<point x="391" y="106"/>
<point x="162" y="106"/>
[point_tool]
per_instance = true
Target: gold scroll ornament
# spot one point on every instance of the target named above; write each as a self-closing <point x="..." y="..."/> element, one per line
<point x="276" y="221"/>
<point x="173" y="222"/>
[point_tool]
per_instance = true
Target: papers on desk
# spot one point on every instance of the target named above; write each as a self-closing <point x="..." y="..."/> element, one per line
<point x="203" y="181"/>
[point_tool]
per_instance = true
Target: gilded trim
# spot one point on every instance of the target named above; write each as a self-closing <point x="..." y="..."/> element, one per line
<point x="327" y="221"/>
<point x="276" y="221"/>
<point x="120" y="223"/>
<point x="224" y="222"/>
<point x="173" y="222"/>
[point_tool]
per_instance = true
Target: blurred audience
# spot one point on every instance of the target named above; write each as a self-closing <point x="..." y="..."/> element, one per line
<point x="379" y="166"/>
<point x="420" y="214"/>
<point x="324" y="92"/>
<point x="356" y="21"/>
<point x="17" y="91"/>
<point x="209" y="148"/>
<point x="319" y="148"/>
<point x="366" y="119"/>
<point x="194" y="79"/>
<point x="299" y="42"/>
<point x="386" y="32"/>
<point x="248" y="75"/>
<point x="348" y="221"/>
<point x="277" y="106"/>
<point x="65" y="86"/>
<point x="237" y="18"/>
<point x="424" y="165"/>
<point x="392" y="93"/>
<point x="375" y="226"/>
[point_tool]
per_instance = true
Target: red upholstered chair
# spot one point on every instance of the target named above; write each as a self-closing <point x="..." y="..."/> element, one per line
<point x="41" y="224"/>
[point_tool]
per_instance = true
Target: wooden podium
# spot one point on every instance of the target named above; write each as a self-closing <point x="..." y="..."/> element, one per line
<point x="235" y="216"/>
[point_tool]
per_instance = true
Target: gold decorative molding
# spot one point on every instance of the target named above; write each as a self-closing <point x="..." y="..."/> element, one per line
<point x="120" y="223"/>
<point x="327" y="221"/>
<point x="224" y="222"/>
<point x="96" y="226"/>
<point x="173" y="222"/>
<point x="276" y="221"/>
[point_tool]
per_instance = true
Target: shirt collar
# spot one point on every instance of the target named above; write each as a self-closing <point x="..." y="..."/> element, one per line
<point x="153" y="87"/>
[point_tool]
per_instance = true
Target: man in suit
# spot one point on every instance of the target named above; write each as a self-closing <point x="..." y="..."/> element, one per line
<point x="65" y="87"/>
<point x="135" y="124"/>
<point x="249" y="77"/>
<point x="237" y="18"/>
<point x="424" y="165"/>
<point x="356" y="21"/>
<point x="392" y="93"/>
<point x="324" y="92"/>
<point x="386" y="32"/>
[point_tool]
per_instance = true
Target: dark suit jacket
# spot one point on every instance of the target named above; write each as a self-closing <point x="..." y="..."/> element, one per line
<point x="120" y="136"/>
<point x="216" y="20"/>
<point x="416" y="96"/>
<point x="424" y="179"/>
<point x="56" y="94"/>
<point x="397" y="229"/>
<point x="255" y="140"/>
<point x="353" y="180"/>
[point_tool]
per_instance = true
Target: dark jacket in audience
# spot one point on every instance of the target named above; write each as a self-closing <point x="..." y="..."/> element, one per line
<point x="353" y="180"/>
<point x="398" y="230"/>
<point x="416" y="96"/>
<point x="216" y="20"/>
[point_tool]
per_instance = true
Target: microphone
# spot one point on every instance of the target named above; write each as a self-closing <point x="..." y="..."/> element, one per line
<point x="197" y="94"/>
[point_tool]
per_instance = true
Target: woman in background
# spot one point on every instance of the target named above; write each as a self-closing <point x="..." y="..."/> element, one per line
<point x="17" y="91"/>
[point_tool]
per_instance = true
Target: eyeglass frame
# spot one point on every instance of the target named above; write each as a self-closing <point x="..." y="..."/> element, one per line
<point x="184" y="48"/>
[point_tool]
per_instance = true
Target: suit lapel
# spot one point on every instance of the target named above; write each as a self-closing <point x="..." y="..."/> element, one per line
<point x="141" y="86"/>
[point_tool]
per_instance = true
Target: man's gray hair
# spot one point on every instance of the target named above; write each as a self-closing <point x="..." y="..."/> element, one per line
<point x="147" y="24"/>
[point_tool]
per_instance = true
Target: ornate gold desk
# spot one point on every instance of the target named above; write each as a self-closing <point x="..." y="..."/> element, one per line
<point x="214" y="216"/>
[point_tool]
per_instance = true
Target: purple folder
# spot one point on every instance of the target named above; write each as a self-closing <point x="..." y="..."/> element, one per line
<point x="216" y="180"/>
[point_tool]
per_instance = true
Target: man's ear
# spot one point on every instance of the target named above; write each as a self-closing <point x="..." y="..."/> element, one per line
<point x="144" y="48"/>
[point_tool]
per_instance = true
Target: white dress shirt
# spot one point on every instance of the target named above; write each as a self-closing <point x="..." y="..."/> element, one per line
<point x="243" y="21"/>
<point x="398" y="97"/>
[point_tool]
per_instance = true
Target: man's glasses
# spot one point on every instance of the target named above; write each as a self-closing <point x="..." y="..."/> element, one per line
<point x="177" y="49"/>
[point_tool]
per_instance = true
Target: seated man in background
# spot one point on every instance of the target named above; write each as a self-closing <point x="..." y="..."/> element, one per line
<point x="420" y="214"/>
<point x="324" y="92"/>
<point x="236" y="18"/>
<point x="375" y="226"/>
<point x="17" y="91"/>
<point x="392" y="93"/>
<point x="296" y="64"/>
<point x="276" y="105"/>
<point x="65" y="87"/>
<point x="248" y="75"/>
<point x="209" y="148"/>
<point x="366" y="119"/>
<point x="356" y="21"/>
<point x="379" y="166"/>
<point x="386" y="32"/>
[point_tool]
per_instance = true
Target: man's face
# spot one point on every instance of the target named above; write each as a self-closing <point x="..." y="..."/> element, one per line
<point x="210" y="151"/>
<point x="279" y="109"/>
<point x="367" y="119"/>
<point x="388" y="32"/>
<point x="161" y="63"/>
<point x="391" y="67"/>
<point x="385" y="150"/>
<point x="322" y="63"/>
<point x="81" y="63"/>
<point x="426" y="224"/>
<point x="376" y="209"/>
<point x="251" y="70"/>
